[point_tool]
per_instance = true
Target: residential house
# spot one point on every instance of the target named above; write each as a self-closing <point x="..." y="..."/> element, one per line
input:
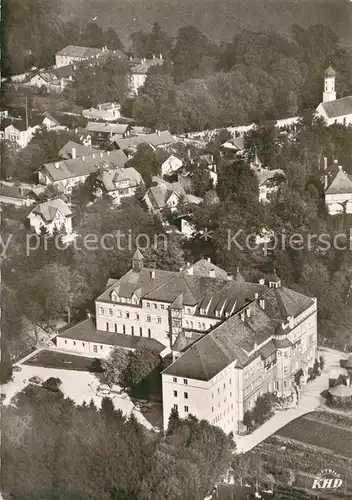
<point x="52" y="123"/>
<point x="74" y="54"/>
<point x="52" y="79"/>
<point x="333" y="110"/>
<point x="19" y="131"/>
<point x="17" y="195"/>
<point x="169" y="163"/>
<point x="168" y="195"/>
<point x="73" y="150"/>
<point x="118" y="183"/>
<point x="338" y="192"/>
<point x="234" y="146"/>
<point x="65" y="174"/>
<point x="207" y="161"/>
<point x="4" y="113"/>
<point x="84" y="136"/>
<point x="270" y="181"/>
<point x="155" y="140"/>
<point x="185" y="226"/>
<point x="102" y="131"/>
<point x="232" y="340"/>
<point x="51" y="215"/>
<point x="109" y="111"/>
<point x="138" y="72"/>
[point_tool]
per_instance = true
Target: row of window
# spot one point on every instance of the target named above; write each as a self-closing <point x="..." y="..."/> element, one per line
<point x="95" y="347"/>
<point x="185" y="394"/>
<point x="127" y="315"/>
<point x="185" y="408"/>
<point x="200" y="326"/>
<point x="155" y="306"/>
<point x="124" y="329"/>
<point x="228" y="408"/>
<point x="224" y="386"/>
<point x="185" y="381"/>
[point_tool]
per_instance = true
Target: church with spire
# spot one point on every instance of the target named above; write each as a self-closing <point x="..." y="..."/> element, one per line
<point x="333" y="110"/>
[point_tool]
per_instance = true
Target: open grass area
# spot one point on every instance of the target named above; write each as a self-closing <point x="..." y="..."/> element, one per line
<point x="322" y="434"/>
<point x="53" y="359"/>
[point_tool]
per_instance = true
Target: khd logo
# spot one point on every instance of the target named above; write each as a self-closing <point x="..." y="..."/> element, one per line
<point x="328" y="481"/>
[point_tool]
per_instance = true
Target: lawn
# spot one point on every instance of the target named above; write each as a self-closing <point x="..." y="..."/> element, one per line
<point x="53" y="359"/>
<point x="319" y="434"/>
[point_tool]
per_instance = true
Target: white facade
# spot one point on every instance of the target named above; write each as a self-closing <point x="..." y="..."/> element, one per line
<point x="224" y="399"/>
<point x="171" y="165"/>
<point x="59" y="222"/>
<point x="105" y="112"/>
<point x="21" y="137"/>
<point x="329" y="89"/>
<point x="84" y="347"/>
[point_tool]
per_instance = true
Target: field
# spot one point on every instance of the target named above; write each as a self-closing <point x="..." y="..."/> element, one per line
<point x="219" y="19"/>
<point x="53" y="359"/>
<point x="320" y="433"/>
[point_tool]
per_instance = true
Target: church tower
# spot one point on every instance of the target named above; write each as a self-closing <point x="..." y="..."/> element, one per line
<point x="137" y="261"/>
<point x="329" y="85"/>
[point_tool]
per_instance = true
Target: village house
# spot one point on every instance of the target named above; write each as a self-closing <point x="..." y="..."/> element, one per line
<point x="17" y="195"/>
<point x="270" y="181"/>
<point x="19" y="131"/>
<point x="51" y="215"/>
<point x="232" y="340"/>
<point x="169" y="163"/>
<point x="155" y="140"/>
<point x="234" y="146"/>
<point x="102" y="131"/>
<point x="138" y="72"/>
<point x="168" y="195"/>
<point x="108" y="111"/>
<point x="118" y="183"/>
<point x="72" y="150"/>
<point x="65" y="174"/>
<point x="52" y="79"/>
<point x="74" y="54"/>
<point x="333" y="110"/>
<point x="338" y="191"/>
<point x="52" y="123"/>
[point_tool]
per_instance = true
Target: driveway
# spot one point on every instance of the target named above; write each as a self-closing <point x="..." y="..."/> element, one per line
<point x="310" y="400"/>
<point x="78" y="385"/>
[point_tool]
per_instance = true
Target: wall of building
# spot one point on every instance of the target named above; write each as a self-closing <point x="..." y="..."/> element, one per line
<point x="36" y="222"/>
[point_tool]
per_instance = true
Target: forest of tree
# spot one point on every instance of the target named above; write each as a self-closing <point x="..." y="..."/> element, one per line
<point x="53" y="449"/>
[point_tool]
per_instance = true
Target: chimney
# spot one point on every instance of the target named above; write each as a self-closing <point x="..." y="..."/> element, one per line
<point x="336" y="161"/>
<point x="212" y="273"/>
<point x="108" y="153"/>
<point x="326" y="182"/>
<point x="209" y="259"/>
<point x="93" y="155"/>
<point x="152" y="273"/>
<point x="189" y="269"/>
<point x="83" y="158"/>
<point x="325" y="162"/>
<point x="339" y="167"/>
<point x="57" y="164"/>
<point x="153" y="56"/>
<point x="158" y="132"/>
<point x="262" y="281"/>
<point x="248" y="312"/>
<point x="256" y="295"/>
<point x="101" y="155"/>
<point x="99" y="107"/>
<point x="73" y="153"/>
<point x="262" y="303"/>
<point x="161" y="57"/>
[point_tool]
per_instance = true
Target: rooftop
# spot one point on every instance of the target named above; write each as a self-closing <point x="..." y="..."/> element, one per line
<point x="341" y="184"/>
<point x="66" y="151"/>
<point x="339" y="107"/>
<point x="155" y="139"/>
<point x="109" y="128"/>
<point x="78" y="167"/>
<point x="86" y="331"/>
<point x="79" y="51"/>
<point x="110" y="177"/>
<point x="49" y="209"/>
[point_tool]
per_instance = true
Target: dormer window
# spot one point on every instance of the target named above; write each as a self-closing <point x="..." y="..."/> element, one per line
<point x="218" y="314"/>
<point x="202" y="311"/>
<point x="188" y="310"/>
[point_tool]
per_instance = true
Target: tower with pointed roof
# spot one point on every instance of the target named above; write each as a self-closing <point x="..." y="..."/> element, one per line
<point x="329" y="85"/>
<point x="137" y="261"/>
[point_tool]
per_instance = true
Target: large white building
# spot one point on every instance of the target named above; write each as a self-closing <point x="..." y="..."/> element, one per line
<point x="332" y="110"/>
<point x="338" y="192"/>
<point x="231" y="340"/>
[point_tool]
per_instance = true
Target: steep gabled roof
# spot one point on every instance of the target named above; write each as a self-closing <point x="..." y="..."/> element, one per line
<point x="341" y="184"/>
<point x="337" y="108"/>
<point x="49" y="209"/>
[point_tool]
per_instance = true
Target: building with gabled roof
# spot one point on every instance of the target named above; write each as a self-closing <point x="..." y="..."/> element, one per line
<point x="74" y="53"/>
<point x="232" y="340"/>
<point x="333" y="110"/>
<point x="168" y="195"/>
<point x="118" y="183"/>
<point x="338" y="193"/>
<point x="68" y="173"/>
<point x="155" y="140"/>
<point x="51" y="215"/>
<point x="72" y="150"/>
